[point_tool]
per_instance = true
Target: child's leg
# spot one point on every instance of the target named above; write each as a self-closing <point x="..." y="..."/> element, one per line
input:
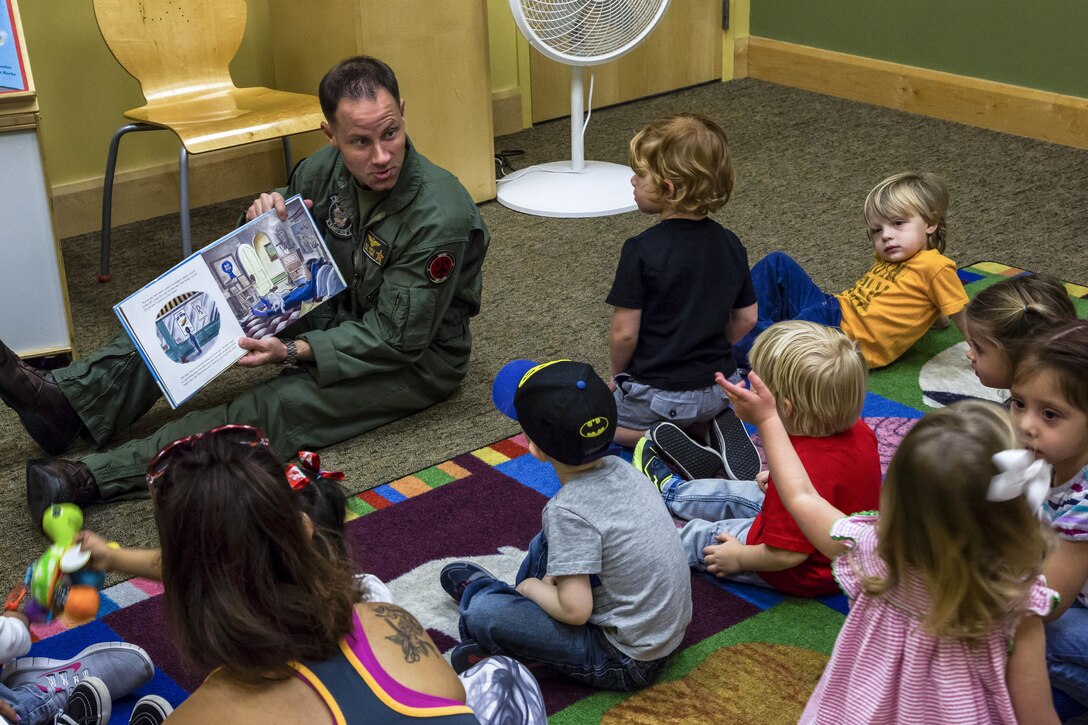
<point x="698" y="534"/>
<point x="502" y="621"/>
<point x="712" y="499"/>
<point x="1067" y="653"/>
<point x="783" y="289"/>
<point x="32" y="705"/>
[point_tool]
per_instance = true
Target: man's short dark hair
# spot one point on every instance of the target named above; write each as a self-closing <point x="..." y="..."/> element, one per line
<point x="355" y="78"/>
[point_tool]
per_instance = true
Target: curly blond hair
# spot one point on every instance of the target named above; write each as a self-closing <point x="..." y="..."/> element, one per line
<point x="690" y="154"/>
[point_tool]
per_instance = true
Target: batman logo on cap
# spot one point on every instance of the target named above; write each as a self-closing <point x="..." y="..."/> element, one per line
<point x="593" y="427"/>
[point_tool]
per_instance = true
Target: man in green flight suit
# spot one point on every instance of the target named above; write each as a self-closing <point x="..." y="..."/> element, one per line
<point x="408" y="240"/>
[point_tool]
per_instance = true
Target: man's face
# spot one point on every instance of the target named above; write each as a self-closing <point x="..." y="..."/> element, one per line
<point x="370" y="136"/>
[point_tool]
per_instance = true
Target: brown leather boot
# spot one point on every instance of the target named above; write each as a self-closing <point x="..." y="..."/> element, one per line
<point x="44" y="411"/>
<point x="55" y="480"/>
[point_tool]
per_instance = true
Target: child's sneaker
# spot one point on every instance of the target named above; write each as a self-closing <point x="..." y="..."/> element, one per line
<point x="150" y="710"/>
<point x="122" y="666"/>
<point x="647" y="459"/>
<point x="89" y="703"/>
<point x="727" y="435"/>
<point x="690" y="459"/>
<point x="456" y="576"/>
<point x="467" y="654"/>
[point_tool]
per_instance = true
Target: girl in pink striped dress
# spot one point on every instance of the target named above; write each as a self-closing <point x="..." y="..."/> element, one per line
<point x="945" y="622"/>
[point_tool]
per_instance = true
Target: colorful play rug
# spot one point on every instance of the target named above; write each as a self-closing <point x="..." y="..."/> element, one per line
<point x="750" y="655"/>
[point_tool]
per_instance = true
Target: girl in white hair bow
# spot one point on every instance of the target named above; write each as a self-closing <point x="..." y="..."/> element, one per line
<point x="1050" y="406"/>
<point x="945" y="591"/>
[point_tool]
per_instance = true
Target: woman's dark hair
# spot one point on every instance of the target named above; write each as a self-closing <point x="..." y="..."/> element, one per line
<point x="246" y="586"/>
<point x="355" y="78"/>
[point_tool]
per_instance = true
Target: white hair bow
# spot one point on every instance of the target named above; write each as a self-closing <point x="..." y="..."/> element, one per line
<point x="1020" y="474"/>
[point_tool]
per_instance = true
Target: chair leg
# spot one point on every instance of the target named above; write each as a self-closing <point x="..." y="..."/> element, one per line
<point x="288" y="164"/>
<point x="186" y="232"/>
<point x="107" y="194"/>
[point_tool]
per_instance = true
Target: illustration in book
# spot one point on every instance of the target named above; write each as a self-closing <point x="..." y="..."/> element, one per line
<point x="253" y="282"/>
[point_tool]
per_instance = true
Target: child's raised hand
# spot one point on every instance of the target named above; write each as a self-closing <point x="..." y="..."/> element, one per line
<point x="723" y="559"/>
<point x="753" y="405"/>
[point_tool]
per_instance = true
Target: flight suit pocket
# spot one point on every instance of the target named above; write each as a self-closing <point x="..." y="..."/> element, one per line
<point x="411" y="316"/>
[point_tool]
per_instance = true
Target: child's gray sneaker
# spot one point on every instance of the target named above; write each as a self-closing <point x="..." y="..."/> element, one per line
<point x="740" y="458"/>
<point x="690" y="459"/>
<point x="122" y="666"/>
<point x="150" y="710"/>
<point x="89" y="703"/>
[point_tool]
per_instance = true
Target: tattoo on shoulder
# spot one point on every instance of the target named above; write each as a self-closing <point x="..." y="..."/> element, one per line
<point x="407" y="632"/>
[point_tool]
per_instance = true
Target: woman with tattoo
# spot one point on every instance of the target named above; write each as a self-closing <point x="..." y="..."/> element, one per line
<point x="266" y="602"/>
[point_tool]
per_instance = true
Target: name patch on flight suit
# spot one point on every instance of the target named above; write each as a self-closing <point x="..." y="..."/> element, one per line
<point x="440" y="266"/>
<point x="337" y="221"/>
<point x="375" y="248"/>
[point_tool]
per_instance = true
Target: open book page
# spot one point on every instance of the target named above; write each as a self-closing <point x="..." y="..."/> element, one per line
<point x="253" y="282"/>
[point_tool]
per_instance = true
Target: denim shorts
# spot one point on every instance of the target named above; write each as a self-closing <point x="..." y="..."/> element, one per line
<point x="639" y="406"/>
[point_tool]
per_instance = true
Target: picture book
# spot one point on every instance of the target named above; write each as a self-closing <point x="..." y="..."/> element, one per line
<point x="253" y="282"/>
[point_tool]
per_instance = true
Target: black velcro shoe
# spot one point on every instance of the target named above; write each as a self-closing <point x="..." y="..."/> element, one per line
<point x="44" y="411"/>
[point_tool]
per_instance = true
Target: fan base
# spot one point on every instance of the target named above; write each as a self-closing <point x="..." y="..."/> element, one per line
<point x="601" y="189"/>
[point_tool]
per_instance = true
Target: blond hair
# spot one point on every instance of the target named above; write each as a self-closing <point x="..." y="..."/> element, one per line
<point x="1009" y="313"/>
<point x="978" y="558"/>
<point x="691" y="153"/>
<point x="907" y="194"/>
<point x="819" y="370"/>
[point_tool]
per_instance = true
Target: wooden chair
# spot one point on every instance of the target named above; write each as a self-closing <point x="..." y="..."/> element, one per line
<point x="180" y="51"/>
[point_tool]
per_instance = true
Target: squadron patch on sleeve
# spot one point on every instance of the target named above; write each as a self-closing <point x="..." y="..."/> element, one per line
<point x="337" y="220"/>
<point x="375" y="248"/>
<point x="440" y="266"/>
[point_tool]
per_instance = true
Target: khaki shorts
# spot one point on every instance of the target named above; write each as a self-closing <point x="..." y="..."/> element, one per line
<point x="639" y="406"/>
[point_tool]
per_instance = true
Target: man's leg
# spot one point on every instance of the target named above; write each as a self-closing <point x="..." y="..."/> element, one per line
<point x="109" y="389"/>
<point x="295" y="412"/>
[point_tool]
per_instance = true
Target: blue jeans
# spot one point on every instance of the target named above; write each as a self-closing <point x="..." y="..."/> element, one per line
<point x="33" y="706"/>
<point x="502" y="621"/>
<point x="784" y="291"/>
<point x="712" y="506"/>
<point x="1067" y="652"/>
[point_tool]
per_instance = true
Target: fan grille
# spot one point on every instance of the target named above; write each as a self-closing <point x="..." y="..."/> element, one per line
<point x="588" y="28"/>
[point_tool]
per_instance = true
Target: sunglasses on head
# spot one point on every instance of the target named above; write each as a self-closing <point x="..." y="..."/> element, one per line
<point x="245" y="435"/>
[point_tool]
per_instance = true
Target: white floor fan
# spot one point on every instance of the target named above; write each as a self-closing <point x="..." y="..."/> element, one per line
<point x="578" y="33"/>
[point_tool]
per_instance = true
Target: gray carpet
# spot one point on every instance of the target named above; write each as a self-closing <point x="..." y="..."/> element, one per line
<point x="804" y="163"/>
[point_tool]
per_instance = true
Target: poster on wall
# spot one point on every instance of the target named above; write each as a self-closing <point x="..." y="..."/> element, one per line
<point x="12" y="73"/>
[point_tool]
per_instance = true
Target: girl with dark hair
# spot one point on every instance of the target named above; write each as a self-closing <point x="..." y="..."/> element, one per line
<point x="1050" y="406"/>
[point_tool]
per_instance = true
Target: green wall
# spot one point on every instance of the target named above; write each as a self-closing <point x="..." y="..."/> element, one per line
<point x="1039" y="44"/>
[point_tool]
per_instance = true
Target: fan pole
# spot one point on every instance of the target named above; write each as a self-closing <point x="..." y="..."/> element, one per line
<point x="577" y="120"/>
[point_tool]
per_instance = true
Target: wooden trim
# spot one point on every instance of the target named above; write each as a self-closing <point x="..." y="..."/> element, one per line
<point x="144" y="193"/>
<point x="740" y="57"/>
<point x="506" y="111"/>
<point x="986" y="104"/>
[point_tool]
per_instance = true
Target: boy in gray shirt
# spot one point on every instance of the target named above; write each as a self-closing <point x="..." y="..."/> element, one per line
<point x="604" y="593"/>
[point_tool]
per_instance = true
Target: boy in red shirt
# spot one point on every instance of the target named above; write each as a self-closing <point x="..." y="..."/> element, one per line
<point x="740" y="529"/>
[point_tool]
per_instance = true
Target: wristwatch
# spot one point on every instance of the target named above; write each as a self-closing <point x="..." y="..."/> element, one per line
<point x="292" y="354"/>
